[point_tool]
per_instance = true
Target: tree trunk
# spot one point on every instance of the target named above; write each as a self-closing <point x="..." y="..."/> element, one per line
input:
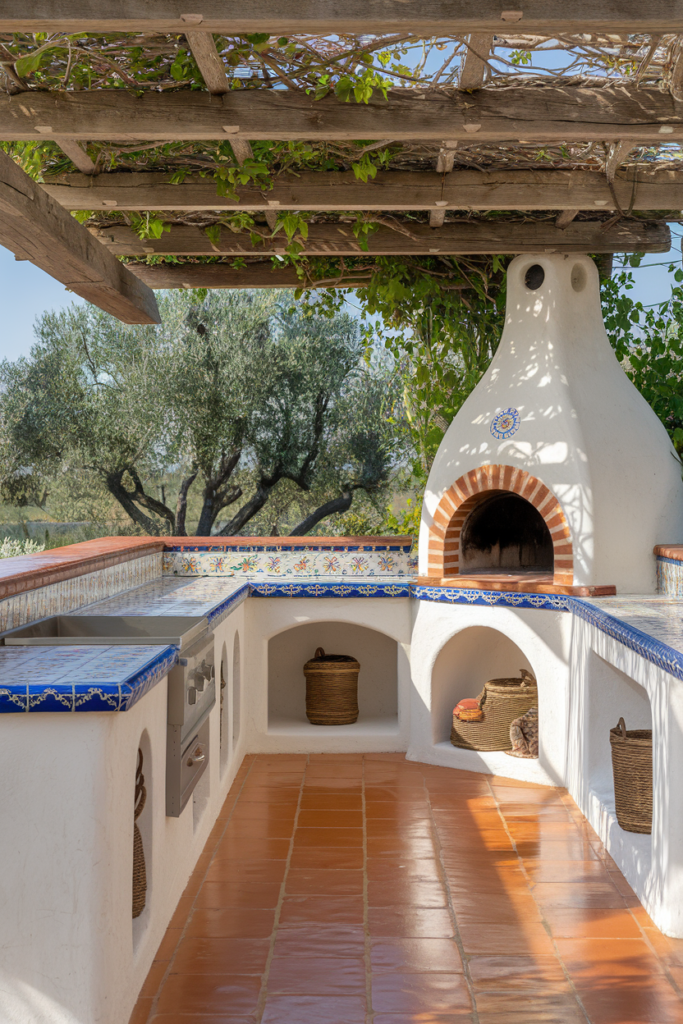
<point x="341" y="504"/>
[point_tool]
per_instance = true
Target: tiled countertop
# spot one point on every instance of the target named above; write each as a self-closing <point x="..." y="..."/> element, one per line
<point x="88" y="678"/>
<point x="113" y="678"/>
<point x="649" y="624"/>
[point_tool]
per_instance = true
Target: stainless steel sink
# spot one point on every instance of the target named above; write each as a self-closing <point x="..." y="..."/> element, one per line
<point x="69" y="630"/>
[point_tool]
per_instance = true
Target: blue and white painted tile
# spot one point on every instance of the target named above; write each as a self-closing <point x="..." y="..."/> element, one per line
<point x="88" y="678"/>
<point x="330" y="587"/>
<point x="457" y="595"/>
<point x="670" y="577"/>
<point x="71" y="595"/>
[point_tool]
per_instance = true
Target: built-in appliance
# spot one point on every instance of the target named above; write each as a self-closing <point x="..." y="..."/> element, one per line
<point x="67" y="630"/>
<point x="191" y="696"/>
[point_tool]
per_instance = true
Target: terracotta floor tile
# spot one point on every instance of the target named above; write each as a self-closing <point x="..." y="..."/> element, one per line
<point x="246" y="871"/>
<point x="281" y="1009"/>
<point x="327" y="801"/>
<point x="332" y="910"/>
<point x="235" y="922"/>
<point x="236" y="893"/>
<point x="322" y="881"/>
<point x="317" y="976"/>
<point x="392" y="956"/>
<point x="333" y="818"/>
<point x="578" y="872"/>
<point x="326" y="837"/>
<point x="529" y="1015"/>
<point x="320" y="940"/>
<point x="406" y="892"/>
<point x="506" y="939"/>
<point x="410" y="922"/>
<point x="601" y="895"/>
<point x="512" y="973"/>
<point x="221" y="956"/>
<point x="259" y="828"/>
<point x="382" y="868"/>
<point x="589" y="958"/>
<point x="420" y="993"/>
<point x="141" y="1011"/>
<point x="235" y="848"/>
<point x="257" y="811"/>
<point x="337" y="858"/>
<point x="210" y="993"/>
<point x="591" y="923"/>
<point x="423" y="1018"/>
<point x="411" y="849"/>
<point x="317" y="973"/>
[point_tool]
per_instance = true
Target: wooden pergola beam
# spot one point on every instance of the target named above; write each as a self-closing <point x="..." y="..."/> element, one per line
<point x="34" y="227"/>
<point x="254" y="275"/>
<point x="330" y="191"/>
<point x="515" y="113"/>
<point x="468" y="237"/>
<point x="356" y="16"/>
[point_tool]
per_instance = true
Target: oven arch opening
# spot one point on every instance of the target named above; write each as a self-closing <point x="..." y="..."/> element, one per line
<point x="504" y="531"/>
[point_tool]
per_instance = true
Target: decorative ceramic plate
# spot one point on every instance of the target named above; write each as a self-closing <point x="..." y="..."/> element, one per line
<point x="505" y="424"/>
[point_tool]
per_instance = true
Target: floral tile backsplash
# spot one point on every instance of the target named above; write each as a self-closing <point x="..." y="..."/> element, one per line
<point x="70" y="595"/>
<point x="284" y="562"/>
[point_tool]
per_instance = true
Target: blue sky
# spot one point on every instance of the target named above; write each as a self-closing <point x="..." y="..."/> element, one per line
<point x="26" y="292"/>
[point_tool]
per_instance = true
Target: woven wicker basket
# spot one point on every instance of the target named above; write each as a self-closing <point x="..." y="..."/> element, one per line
<point x="501" y="700"/>
<point x="139" y="871"/>
<point x="331" y="689"/>
<point x="632" y="767"/>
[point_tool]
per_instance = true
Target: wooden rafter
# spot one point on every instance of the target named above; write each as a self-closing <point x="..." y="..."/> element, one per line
<point x="394" y="191"/>
<point x="34" y="227"/>
<point x="415" y="239"/>
<point x="253" y="275"/>
<point x="357" y="16"/>
<point x="547" y="114"/>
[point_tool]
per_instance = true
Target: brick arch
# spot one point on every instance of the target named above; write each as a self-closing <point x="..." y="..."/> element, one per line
<point x="468" y="490"/>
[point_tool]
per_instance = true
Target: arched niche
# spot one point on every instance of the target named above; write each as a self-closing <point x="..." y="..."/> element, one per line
<point x="464" y="664"/>
<point x="289" y="650"/>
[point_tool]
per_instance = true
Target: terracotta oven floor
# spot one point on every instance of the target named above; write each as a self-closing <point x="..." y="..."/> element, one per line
<point x="369" y="890"/>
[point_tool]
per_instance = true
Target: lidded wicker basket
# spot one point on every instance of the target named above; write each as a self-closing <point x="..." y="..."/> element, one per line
<point x="502" y="701"/>
<point x="632" y="768"/>
<point x="331" y="689"/>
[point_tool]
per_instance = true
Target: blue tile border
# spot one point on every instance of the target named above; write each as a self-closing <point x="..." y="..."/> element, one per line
<point x="670" y="561"/>
<point x="381" y="588"/>
<point x="227" y="551"/>
<point x="457" y="595"/>
<point x="62" y="695"/>
<point x="636" y="640"/>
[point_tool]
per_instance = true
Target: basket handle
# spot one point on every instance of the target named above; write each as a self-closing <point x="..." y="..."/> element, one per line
<point x="621" y="724"/>
<point x="527" y="677"/>
<point x="319" y="653"/>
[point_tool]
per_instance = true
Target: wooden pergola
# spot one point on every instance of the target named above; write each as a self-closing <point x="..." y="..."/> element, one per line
<point x="147" y="120"/>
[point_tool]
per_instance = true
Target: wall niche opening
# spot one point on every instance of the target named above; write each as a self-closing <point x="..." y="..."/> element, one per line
<point x="505" y="532"/>
<point x="377" y="681"/>
<point x="464" y="664"/>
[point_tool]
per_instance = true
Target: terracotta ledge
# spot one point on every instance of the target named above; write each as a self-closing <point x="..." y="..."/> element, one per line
<point x="674" y="551"/>
<point x="527" y="583"/>
<point x="28" y="572"/>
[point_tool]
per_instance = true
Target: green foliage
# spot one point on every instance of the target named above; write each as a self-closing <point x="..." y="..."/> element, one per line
<point x="234" y="396"/>
<point x="648" y="341"/>
<point x="10" y="548"/>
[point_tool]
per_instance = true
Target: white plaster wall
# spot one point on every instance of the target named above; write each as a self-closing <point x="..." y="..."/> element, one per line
<point x="71" y="953"/>
<point x="609" y="680"/>
<point x="458" y="643"/>
<point x="585" y="430"/>
<point x="265" y="618"/>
